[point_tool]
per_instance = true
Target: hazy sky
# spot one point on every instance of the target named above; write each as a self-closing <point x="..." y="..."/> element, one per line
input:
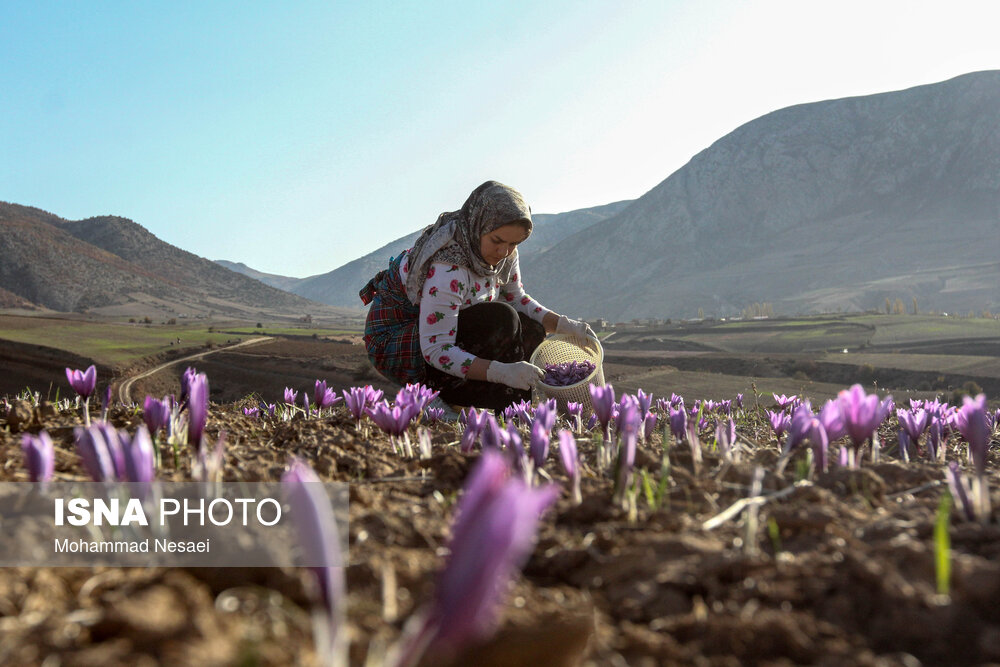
<point x="298" y="136"/>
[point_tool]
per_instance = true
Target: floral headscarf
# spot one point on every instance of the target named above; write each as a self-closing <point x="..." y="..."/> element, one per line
<point x="455" y="237"/>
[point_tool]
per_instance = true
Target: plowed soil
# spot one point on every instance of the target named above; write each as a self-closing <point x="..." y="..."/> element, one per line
<point x="837" y="568"/>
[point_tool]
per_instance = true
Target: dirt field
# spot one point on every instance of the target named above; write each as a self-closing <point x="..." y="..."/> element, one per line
<point x="839" y="570"/>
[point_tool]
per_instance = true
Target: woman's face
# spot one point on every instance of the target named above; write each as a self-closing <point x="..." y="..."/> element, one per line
<point x="500" y="243"/>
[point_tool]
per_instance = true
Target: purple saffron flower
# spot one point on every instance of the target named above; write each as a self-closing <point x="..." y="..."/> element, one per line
<point x="394" y="420"/>
<point x="798" y="427"/>
<point x="784" y="402"/>
<point x="780" y="421"/>
<point x="568" y="456"/>
<point x="905" y="445"/>
<point x="156" y="413"/>
<point x="547" y="412"/>
<point x="591" y="422"/>
<point x="39" y="456"/>
<point x="95" y="453"/>
<point x="492" y="436"/>
<point x="474" y="423"/>
<point x="833" y="420"/>
<point x="186" y="379"/>
<point x="603" y="400"/>
<point x="725" y="436"/>
<point x="305" y="404"/>
<point x="539" y="443"/>
<point x="649" y="426"/>
<point x="316" y="528"/>
<point x="958" y="485"/>
<point x="494" y="534"/>
<point x="913" y="422"/>
<point x="974" y="425"/>
<point x="83" y="382"/>
<point x="575" y="413"/>
<point x="139" y="458"/>
<point x="937" y="433"/>
<point x="739" y="401"/>
<point x="105" y="403"/>
<point x="324" y="397"/>
<point x="626" y="454"/>
<point x="678" y="422"/>
<point x="356" y="400"/>
<point x="862" y="414"/>
<point x="197" y="408"/>
<point x="515" y="447"/>
<point x="645" y="400"/>
<point x="434" y="415"/>
<point x="291" y="396"/>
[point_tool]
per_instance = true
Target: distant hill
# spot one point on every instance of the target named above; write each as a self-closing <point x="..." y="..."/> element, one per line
<point x="113" y="265"/>
<point x="285" y="283"/>
<point x="817" y="207"/>
<point x="340" y="287"/>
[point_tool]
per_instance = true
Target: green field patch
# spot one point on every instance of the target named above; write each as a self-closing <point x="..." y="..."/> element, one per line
<point x="109" y="343"/>
<point x="291" y="331"/>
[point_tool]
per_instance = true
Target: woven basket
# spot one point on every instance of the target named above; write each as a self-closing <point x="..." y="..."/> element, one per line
<point x="560" y="348"/>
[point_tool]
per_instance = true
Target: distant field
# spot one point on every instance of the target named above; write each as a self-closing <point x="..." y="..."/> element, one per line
<point x="825" y="333"/>
<point x="291" y="331"/>
<point x="107" y="343"/>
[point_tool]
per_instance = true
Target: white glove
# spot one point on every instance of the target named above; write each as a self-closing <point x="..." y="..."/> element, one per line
<point x="575" y="328"/>
<point x="520" y="374"/>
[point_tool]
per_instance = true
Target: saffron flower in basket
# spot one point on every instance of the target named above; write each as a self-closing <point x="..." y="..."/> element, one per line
<point x="568" y="373"/>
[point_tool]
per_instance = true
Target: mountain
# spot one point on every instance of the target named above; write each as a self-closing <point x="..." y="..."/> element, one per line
<point x="340" y="287"/>
<point x="113" y="265"/>
<point x="285" y="283"/>
<point x="834" y="204"/>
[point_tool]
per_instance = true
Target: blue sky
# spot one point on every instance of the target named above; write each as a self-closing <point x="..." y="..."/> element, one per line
<point x="298" y="136"/>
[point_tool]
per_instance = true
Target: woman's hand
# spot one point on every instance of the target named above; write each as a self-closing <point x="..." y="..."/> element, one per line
<point x="574" y="328"/>
<point x="520" y="374"/>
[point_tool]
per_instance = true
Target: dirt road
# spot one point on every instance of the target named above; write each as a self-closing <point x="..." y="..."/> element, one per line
<point x="125" y="388"/>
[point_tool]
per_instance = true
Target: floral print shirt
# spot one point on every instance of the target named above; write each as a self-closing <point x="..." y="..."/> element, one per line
<point x="450" y="288"/>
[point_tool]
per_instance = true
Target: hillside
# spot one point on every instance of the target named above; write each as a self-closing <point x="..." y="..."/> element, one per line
<point x="834" y="204"/>
<point x="113" y="265"/>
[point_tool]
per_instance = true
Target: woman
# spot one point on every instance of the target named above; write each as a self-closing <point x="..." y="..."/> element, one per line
<point x="451" y="311"/>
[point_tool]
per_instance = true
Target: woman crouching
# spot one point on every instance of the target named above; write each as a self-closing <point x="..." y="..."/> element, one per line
<point x="451" y="312"/>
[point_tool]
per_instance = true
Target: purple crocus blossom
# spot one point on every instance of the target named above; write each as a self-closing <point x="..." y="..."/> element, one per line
<point x="591" y="422"/>
<point x="678" y="422"/>
<point x="862" y="414"/>
<point x="539" y="443"/>
<point x="725" y="436"/>
<point x="291" y="396"/>
<point x="96" y="453"/>
<point x="323" y="396"/>
<point x="575" y="412"/>
<point x="493" y="535"/>
<point x="491" y="435"/>
<point x="780" y="421"/>
<point x="914" y="422"/>
<point x="784" y="402"/>
<point x="197" y="408"/>
<point x="394" y="420"/>
<point x="739" y="401"/>
<point x="156" y="413"/>
<point x="603" y="401"/>
<point x="570" y="463"/>
<point x="83" y="382"/>
<point x="626" y="454"/>
<point x="644" y="401"/>
<point x="515" y="447"/>
<point x="39" y="456"/>
<point x="649" y="426"/>
<point x="474" y="423"/>
<point x="356" y="400"/>
<point x="316" y="528"/>
<point x="973" y="424"/>
<point x="138" y="455"/>
<point x="958" y="485"/>
<point x="547" y="412"/>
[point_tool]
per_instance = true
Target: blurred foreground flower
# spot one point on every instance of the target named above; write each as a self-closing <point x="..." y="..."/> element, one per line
<point x="493" y="535"/>
<point x="39" y="456"/>
<point x="316" y="528"/>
